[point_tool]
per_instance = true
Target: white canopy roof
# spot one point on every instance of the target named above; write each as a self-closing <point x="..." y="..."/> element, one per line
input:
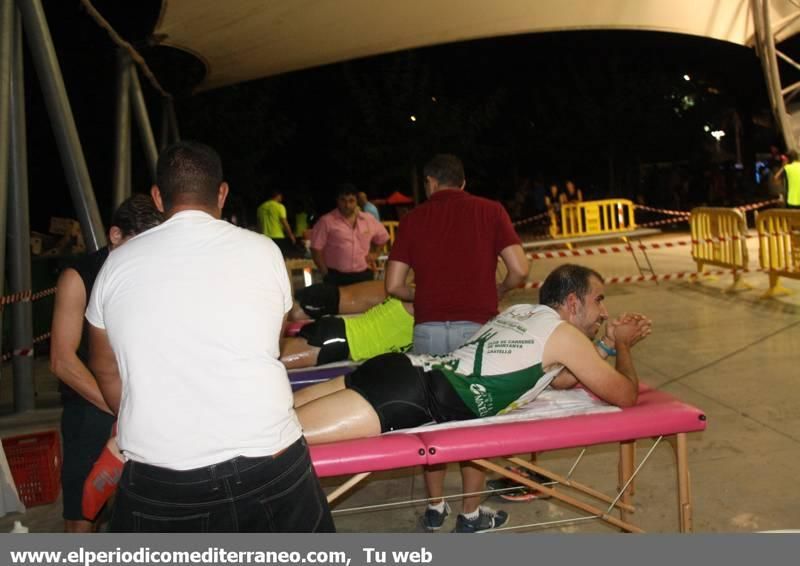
<point x="241" y="40"/>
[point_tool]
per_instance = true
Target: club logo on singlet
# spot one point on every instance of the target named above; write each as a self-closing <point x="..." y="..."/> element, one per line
<point x="483" y="400"/>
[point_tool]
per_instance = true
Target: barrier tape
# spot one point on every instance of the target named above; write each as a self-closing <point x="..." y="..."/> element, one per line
<point x="644" y="278"/>
<point x="757" y="205"/>
<point x="531" y="219"/>
<point x="662" y="210"/>
<point x="27" y="352"/>
<point x="664" y="222"/>
<point x="605" y="250"/>
<point x="26" y="296"/>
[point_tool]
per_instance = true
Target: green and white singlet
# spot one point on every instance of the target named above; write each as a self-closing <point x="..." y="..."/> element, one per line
<point x="500" y="367"/>
<point x="384" y="328"/>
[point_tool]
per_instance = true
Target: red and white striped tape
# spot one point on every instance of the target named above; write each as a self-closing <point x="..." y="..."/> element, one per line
<point x="643" y="278"/>
<point x="605" y="250"/>
<point x="662" y="210"/>
<point x="26" y="352"/>
<point x="664" y="222"/>
<point x="26" y="296"/>
<point x="757" y="205"/>
<point x="531" y="219"/>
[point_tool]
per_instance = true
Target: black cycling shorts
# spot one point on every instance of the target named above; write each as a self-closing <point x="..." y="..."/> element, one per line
<point x="327" y="334"/>
<point x="405" y="396"/>
<point x="318" y="300"/>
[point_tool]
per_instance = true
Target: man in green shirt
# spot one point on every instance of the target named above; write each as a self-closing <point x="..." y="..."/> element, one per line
<point x="272" y="221"/>
<point x="792" y="172"/>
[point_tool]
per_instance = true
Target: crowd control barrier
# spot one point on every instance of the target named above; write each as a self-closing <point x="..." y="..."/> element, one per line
<point x="779" y="247"/>
<point x="719" y="237"/>
<point x="593" y="218"/>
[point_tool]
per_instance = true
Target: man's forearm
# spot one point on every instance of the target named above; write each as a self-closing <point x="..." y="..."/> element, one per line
<point x="316" y="255"/>
<point x="73" y="373"/>
<point x="624" y="363"/>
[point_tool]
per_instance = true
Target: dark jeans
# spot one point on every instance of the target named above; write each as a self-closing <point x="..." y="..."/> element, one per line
<point x="340" y="278"/>
<point x="269" y="494"/>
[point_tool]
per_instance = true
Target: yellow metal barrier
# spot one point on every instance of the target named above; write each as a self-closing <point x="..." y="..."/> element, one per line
<point x="391" y="227"/>
<point x="779" y="247"/>
<point x="719" y="238"/>
<point x="593" y="217"/>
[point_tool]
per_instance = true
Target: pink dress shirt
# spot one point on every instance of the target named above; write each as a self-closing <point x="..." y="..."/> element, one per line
<point x="345" y="247"/>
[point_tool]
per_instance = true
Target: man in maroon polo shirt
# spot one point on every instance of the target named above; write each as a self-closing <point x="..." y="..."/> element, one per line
<point x="452" y="243"/>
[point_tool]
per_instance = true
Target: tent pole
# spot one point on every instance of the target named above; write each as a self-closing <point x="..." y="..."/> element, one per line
<point x="6" y="47"/>
<point x="61" y="119"/>
<point x="19" y="235"/>
<point x="143" y="120"/>
<point x="122" y="131"/>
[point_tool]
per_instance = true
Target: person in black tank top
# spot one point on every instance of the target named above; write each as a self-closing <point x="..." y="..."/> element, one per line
<point x="86" y="420"/>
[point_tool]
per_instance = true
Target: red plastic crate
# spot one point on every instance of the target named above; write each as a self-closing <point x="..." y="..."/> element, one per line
<point x="35" y="462"/>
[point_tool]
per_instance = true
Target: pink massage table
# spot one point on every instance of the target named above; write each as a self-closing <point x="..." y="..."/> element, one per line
<point x="656" y="415"/>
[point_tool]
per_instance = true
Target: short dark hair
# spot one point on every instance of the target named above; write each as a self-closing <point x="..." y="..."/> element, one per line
<point x="345" y="189"/>
<point x="792" y="155"/>
<point x="189" y="171"/>
<point x="563" y="280"/>
<point x="136" y="214"/>
<point x="445" y="168"/>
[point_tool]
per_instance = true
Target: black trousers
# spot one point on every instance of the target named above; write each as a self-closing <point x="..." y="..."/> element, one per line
<point x="340" y="278"/>
<point x="269" y="494"/>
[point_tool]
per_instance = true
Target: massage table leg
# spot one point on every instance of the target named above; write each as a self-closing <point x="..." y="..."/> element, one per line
<point x="347" y="486"/>
<point x="491" y="466"/>
<point x="684" y="491"/>
<point x="626" y="465"/>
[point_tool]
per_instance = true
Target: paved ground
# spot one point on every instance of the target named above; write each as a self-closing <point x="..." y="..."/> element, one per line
<point x="731" y="354"/>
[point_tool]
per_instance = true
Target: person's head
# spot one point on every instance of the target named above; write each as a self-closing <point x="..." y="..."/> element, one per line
<point x="576" y="293"/>
<point x="135" y="215"/>
<point x="792" y="155"/>
<point x="189" y="176"/>
<point x="362" y="199"/>
<point x="346" y="200"/>
<point x="444" y="171"/>
<point x="276" y="195"/>
<point x="570" y="187"/>
<point x="554" y="190"/>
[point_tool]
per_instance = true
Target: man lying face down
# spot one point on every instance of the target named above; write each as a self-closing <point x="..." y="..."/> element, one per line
<point x="506" y="364"/>
<point x="385" y="324"/>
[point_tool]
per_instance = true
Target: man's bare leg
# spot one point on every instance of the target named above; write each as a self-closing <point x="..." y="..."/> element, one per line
<point x="360" y="297"/>
<point x="339" y="416"/>
<point x="314" y="392"/>
<point x="297" y="353"/>
<point x="434" y="482"/>
<point x="473" y="479"/>
<point x="297" y="313"/>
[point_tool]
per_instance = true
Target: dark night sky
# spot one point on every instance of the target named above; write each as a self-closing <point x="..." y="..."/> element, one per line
<point x="575" y="104"/>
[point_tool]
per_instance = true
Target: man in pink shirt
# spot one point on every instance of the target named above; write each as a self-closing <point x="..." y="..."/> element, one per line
<point x="346" y="241"/>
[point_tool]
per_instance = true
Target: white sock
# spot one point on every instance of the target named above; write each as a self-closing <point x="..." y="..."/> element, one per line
<point x="472" y="516"/>
<point x="438" y="508"/>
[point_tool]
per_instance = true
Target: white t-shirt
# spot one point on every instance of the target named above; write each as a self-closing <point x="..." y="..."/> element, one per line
<point x="193" y="310"/>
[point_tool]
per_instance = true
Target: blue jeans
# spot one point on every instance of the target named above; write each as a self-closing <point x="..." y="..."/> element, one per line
<point x="267" y="494"/>
<point x="442" y="337"/>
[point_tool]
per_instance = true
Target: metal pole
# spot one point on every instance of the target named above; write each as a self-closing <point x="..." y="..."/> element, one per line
<point x="122" y="131"/>
<point x="19" y="235"/>
<point x="142" y="118"/>
<point x="173" y="121"/>
<point x="6" y="46"/>
<point x="55" y="96"/>
<point x="763" y="27"/>
<point x="164" y="140"/>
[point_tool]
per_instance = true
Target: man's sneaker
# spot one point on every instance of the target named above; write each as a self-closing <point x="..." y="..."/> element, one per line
<point x="487" y="519"/>
<point x="433" y="520"/>
<point x="513" y="491"/>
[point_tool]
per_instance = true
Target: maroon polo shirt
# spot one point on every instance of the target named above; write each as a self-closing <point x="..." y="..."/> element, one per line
<point x="452" y="243"/>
